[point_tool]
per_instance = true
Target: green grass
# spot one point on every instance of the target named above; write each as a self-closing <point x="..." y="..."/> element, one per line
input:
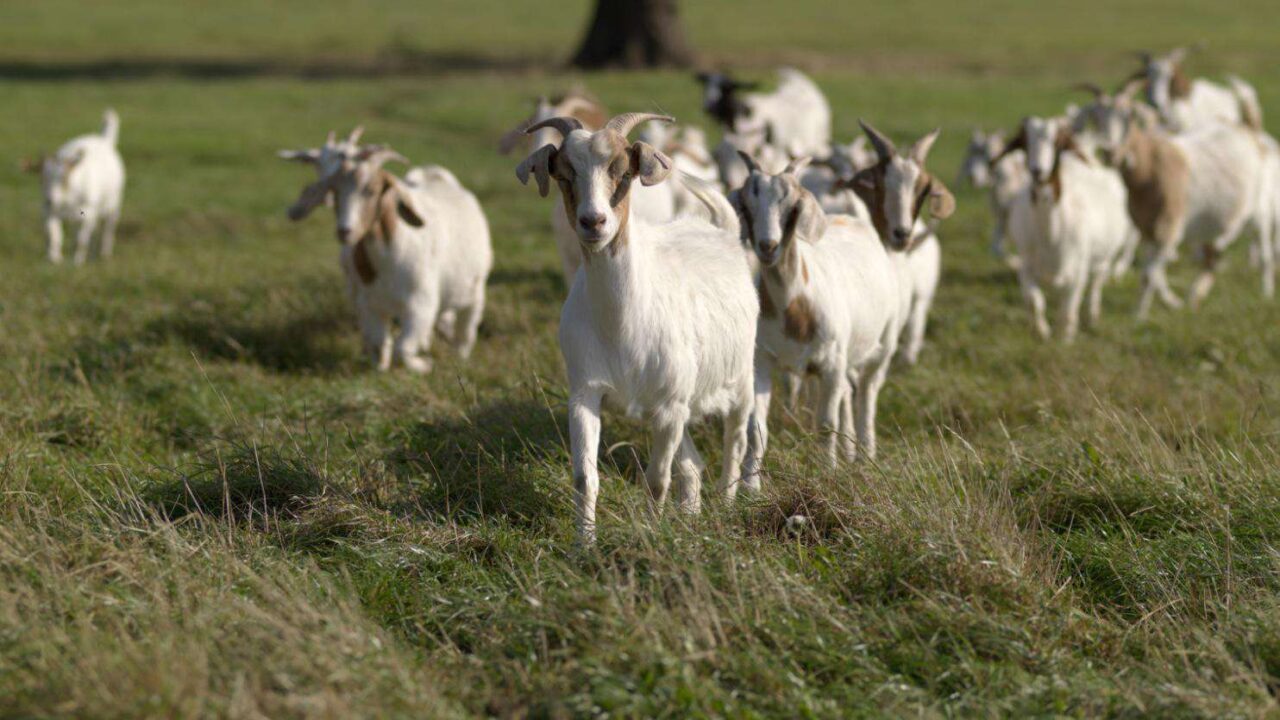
<point x="210" y="507"/>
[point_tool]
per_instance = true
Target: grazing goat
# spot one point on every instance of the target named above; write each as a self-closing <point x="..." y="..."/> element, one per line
<point x="654" y="204"/>
<point x="1185" y="104"/>
<point x="415" y="251"/>
<point x="1069" y="224"/>
<point x="829" y="307"/>
<point x="795" y="117"/>
<point x="84" y="181"/>
<point x="896" y="191"/>
<point x="660" y="321"/>
<point x="1202" y="185"/>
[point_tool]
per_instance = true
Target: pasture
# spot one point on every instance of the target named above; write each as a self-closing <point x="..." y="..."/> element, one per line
<point x="211" y="506"/>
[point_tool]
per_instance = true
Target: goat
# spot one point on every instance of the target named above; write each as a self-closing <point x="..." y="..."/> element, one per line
<point x="1185" y="104"/>
<point x="655" y="204"/>
<point x="1202" y="184"/>
<point x="829" y="306"/>
<point x="896" y="191"/>
<point x="1003" y="180"/>
<point x="660" y="321"/>
<point x="84" y="181"/>
<point x="1069" y="224"/>
<point x="795" y="117"/>
<point x="827" y="177"/>
<point x="415" y="251"/>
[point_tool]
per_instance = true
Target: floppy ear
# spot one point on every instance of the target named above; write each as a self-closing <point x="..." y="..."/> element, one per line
<point x="941" y="202"/>
<point x="312" y="197"/>
<point x="807" y="219"/>
<point x="397" y="201"/>
<point x="735" y="200"/>
<point x="1066" y="142"/>
<point x="649" y="164"/>
<point x="311" y="155"/>
<point x="538" y="163"/>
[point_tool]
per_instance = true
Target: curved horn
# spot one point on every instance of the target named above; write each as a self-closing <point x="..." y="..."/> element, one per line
<point x="626" y="122"/>
<point x="356" y="132"/>
<point x="884" y="147"/>
<point x="330" y="139"/>
<point x="920" y="150"/>
<point x="562" y="125"/>
<point x="1089" y="87"/>
<point x="797" y="164"/>
<point x="752" y="167"/>
<point x="379" y="156"/>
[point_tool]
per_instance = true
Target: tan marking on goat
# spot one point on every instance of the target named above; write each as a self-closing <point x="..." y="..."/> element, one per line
<point x="1158" y="178"/>
<point x="1179" y="84"/>
<point x="798" y="322"/>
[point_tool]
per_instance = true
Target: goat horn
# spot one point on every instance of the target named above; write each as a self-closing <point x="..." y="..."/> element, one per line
<point x="356" y="132"/>
<point x="379" y="156"/>
<point x="797" y="164"/>
<point x="884" y="147"/>
<point x="626" y="122"/>
<point x="1089" y="87"/>
<point x="562" y="125"/>
<point x="752" y="167"/>
<point x="330" y="139"/>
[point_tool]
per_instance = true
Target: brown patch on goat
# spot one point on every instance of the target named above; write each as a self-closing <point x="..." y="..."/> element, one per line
<point x="360" y="258"/>
<point x="1179" y="84"/>
<point x="798" y="322"/>
<point x="767" y="308"/>
<point x="1158" y="178"/>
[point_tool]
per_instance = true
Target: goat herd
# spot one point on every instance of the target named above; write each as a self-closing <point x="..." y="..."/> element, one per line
<point x="686" y="293"/>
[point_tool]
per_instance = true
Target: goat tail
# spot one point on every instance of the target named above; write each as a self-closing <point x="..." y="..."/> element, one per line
<point x="1247" y="97"/>
<point x="718" y="207"/>
<point x="111" y="126"/>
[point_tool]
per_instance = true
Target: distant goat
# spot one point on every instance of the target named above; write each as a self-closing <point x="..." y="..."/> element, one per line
<point x="1202" y="185"/>
<point x="795" y="117"/>
<point x="83" y="181"/>
<point x="1185" y="104"/>
<point x="1069" y="224"/>
<point x="415" y="251"/>
<point x="661" y="319"/>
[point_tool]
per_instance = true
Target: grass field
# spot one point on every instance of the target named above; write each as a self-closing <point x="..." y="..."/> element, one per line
<point x="210" y="507"/>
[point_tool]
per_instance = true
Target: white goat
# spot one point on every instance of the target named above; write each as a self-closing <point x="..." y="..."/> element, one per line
<point x="1203" y="185"/>
<point x="829" y="306"/>
<point x="1069" y="225"/>
<point x="415" y="251"/>
<point x="795" y="117"/>
<point x="655" y="204"/>
<point x="83" y="181"/>
<point x="1185" y="104"/>
<point x="1004" y="180"/>
<point x="661" y="320"/>
<point x="896" y="190"/>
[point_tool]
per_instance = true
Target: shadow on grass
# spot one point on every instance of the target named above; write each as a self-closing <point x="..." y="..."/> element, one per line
<point x="389" y="62"/>
<point x="507" y="459"/>
<point x="243" y="484"/>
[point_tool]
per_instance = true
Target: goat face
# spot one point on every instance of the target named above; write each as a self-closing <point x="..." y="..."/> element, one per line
<point x="366" y="199"/>
<point x="594" y="172"/>
<point x="774" y="210"/>
<point x="897" y="188"/>
<point x="976" y="166"/>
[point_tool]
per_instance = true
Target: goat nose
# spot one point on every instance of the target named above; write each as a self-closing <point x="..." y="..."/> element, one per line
<point x="901" y="234"/>
<point x="594" y="221"/>
<point x="343" y="234"/>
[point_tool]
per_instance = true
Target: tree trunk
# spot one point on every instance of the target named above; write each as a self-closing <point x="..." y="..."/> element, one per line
<point x="634" y="34"/>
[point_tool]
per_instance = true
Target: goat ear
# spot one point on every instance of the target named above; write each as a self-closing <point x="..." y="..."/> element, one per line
<point x="809" y="220"/>
<point x="538" y="163"/>
<point x="1066" y="142"/>
<point x="649" y="164"/>
<point x="942" y="204"/>
<point x="397" y="201"/>
<point x="311" y="197"/>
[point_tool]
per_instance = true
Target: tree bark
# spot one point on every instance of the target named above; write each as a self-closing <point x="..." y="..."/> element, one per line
<point x="634" y="34"/>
